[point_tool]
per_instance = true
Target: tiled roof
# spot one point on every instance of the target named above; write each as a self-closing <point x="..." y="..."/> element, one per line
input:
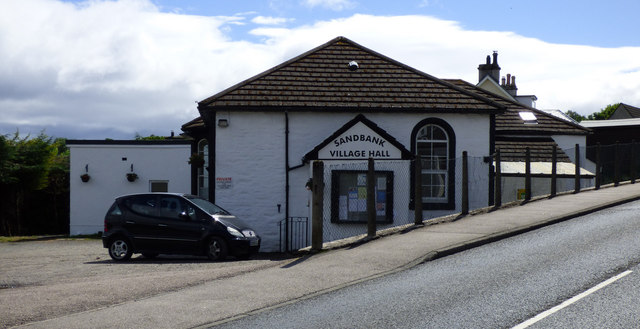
<point x="196" y="123"/>
<point x="510" y="122"/>
<point x="321" y="80"/>
<point x="625" y="111"/>
<point x="513" y="149"/>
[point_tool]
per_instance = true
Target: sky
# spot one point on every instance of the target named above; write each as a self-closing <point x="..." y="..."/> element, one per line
<point x="112" y="69"/>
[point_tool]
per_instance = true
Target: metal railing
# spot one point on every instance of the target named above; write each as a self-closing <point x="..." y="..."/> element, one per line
<point x="294" y="233"/>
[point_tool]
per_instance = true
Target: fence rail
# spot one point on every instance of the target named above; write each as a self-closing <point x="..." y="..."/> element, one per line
<point x="349" y="200"/>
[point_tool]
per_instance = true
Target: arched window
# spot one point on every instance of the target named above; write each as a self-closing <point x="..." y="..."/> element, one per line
<point x="203" y="173"/>
<point x="434" y="143"/>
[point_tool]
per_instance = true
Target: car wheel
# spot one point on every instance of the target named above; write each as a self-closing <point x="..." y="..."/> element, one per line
<point x="120" y="249"/>
<point x="149" y="255"/>
<point x="216" y="249"/>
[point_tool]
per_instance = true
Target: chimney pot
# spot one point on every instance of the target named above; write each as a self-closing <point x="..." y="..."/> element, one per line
<point x="495" y="58"/>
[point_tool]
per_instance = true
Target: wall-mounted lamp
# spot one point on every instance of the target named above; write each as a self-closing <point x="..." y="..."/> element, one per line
<point x="222" y="123"/>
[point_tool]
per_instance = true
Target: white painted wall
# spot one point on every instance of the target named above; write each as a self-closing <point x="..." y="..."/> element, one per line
<point x="90" y="201"/>
<point x="539" y="186"/>
<point x="568" y="144"/>
<point x="251" y="151"/>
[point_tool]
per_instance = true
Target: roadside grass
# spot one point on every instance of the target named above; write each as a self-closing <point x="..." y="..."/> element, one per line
<point x="24" y="238"/>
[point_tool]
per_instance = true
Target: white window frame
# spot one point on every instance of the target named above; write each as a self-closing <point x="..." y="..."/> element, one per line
<point x="203" y="173"/>
<point x="429" y="161"/>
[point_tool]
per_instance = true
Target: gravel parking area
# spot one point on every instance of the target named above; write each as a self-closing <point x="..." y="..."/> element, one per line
<point x="51" y="278"/>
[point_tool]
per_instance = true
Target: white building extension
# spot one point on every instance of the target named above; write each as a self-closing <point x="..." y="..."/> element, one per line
<point x="157" y="165"/>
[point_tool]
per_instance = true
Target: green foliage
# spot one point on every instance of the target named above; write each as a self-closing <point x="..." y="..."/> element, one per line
<point x="7" y="161"/>
<point x="604" y="113"/>
<point x="150" y="137"/>
<point x="33" y="172"/>
<point x="575" y="116"/>
<point x="26" y="161"/>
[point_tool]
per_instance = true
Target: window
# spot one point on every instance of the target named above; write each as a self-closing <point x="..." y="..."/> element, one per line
<point x="142" y="204"/>
<point x="434" y="145"/>
<point x="159" y="186"/>
<point x="528" y="117"/>
<point x="349" y="196"/>
<point x="171" y="207"/>
<point x="203" y="173"/>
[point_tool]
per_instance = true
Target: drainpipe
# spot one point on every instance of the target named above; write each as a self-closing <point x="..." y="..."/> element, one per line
<point x="287" y="169"/>
<point x="209" y="117"/>
<point x="286" y="160"/>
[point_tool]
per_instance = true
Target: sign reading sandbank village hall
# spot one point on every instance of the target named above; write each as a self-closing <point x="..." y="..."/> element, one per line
<point x="359" y="142"/>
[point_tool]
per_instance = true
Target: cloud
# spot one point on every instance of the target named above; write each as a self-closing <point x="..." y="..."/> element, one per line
<point x="567" y="77"/>
<point x="336" y="5"/>
<point x="262" y="20"/>
<point x="121" y="65"/>
<point x="109" y="69"/>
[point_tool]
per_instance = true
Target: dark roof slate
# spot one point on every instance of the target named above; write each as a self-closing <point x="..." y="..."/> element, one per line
<point x="513" y="149"/>
<point x="197" y="123"/>
<point x="625" y="111"/>
<point x="321" y="80"/>
<point x="509" y="121"/>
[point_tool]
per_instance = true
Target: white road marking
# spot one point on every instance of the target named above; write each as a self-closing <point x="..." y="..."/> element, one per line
<point x="570" y="301"/>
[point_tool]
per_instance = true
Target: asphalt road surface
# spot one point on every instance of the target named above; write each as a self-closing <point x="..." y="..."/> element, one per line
<point x="499" y="285"/>
<point x="51" y="278"/>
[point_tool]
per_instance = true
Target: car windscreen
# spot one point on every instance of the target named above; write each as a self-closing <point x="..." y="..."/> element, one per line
<point x="207" y="206"/>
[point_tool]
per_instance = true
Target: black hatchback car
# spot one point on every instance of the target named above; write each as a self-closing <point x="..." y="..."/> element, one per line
<point x="168" y="223"/>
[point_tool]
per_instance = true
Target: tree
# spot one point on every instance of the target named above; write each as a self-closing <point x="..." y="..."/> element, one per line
<point x="575" y="116"/>
<point x="25" y="165"/>
<point x="604" y="114"/>
<point x="139" y="137"/>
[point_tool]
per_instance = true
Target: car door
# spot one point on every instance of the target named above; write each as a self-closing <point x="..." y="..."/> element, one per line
<point x="141" y="221"/>
<point x="178" y="225"/>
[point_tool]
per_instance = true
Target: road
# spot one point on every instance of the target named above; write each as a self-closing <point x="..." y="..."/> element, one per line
<point x="47" y="279"/>
<point x="499" y="285"/>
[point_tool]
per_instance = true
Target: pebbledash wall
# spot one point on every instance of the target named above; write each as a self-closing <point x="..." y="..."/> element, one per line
<point x="161" y="164"/>
<point x="250" y="166"/>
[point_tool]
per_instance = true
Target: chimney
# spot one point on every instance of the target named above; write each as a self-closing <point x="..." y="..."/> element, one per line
<point x="510" y="85"/>
<point x="490" y="69"/>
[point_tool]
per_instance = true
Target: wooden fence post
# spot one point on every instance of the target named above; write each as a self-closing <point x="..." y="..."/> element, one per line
<point x="465" y="184"/>
<point x="417" y="191"/>
<point x="554" y="172"/>
<point x="371" y="199"/>
<point x="576" y="188"/>
<point x="498" y="182"/>
<point x="317" y="219"/>
<point x="598" y="167"/>
<point x="632" y="162"/>
<point x="527" y="175"/>
<point x="616" y="165"/>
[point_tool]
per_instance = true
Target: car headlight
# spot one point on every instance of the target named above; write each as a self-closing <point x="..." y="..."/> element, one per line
<point x="234" y="232"/>
<point x="249" y="233"/>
